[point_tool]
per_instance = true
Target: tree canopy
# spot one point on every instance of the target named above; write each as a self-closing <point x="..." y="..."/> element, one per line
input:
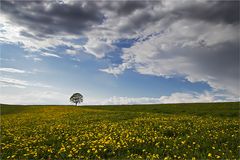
<point x="76" y="98"/>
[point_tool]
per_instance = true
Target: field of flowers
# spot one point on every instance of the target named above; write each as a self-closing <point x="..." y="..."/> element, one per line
<point x="64" y="132"/>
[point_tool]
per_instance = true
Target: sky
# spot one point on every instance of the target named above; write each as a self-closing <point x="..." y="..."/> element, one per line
<point x="119" y="52"/>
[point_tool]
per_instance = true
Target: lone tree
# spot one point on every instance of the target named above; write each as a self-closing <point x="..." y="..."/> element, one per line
<point x="76" y="98"/>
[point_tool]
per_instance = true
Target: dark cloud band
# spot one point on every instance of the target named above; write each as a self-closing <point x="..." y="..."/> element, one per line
<point x="53" y="18"/>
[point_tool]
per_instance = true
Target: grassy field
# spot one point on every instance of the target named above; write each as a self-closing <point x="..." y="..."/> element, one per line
<point x="176" y="131"/>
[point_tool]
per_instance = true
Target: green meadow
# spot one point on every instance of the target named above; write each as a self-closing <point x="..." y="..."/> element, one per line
<point x="166" y="131"/>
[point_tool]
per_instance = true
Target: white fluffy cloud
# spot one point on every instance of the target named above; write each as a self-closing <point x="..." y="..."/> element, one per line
<point x="118" y="69"/>
<point x="178" y="97"/>
<point x="98" y="47"/>
<point x="196" y="50"/>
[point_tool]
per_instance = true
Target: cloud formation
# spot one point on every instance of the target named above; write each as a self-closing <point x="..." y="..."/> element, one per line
<point x="50" y="55"/>
<point x="197" y="40"/>
<point x="178" y="97"/>
<point x="12" y="70"/>
<point x="50" y="17"/>
<point x="189" y="43"/>
<point x="34" y="97"/>
<point x="13" y="82"/>
<point x="217" y="11"/>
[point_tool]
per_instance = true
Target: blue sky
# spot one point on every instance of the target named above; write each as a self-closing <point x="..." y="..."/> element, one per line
<point x="119" y="53"/>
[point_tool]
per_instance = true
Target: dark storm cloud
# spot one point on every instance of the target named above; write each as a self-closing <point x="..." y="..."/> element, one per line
<point x="29" y="35"/>
<point x="138" y="22"/>
<point x="124" y="8"/>
<point x="129" y="6"/>
<point x="52" y="18"/>
<point x="211" y="11"/>
<point x="220" y="60"/>
<point x="48" y="18"/>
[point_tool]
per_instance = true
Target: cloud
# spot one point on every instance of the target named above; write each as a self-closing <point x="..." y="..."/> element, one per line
<point x="47" y="18"/>
<point x="7" y="59"/>
<point x="12" y="70"/>
<point x="34" y="97"/>
<point x="71" y="52"/>
<point x="217" y="11"/>
<point x="12" y="82"/>
<point x="41" y="25"/>
<point x="35" y="58"/>
<point x="51" y="24"/>
<point x="38" y="26"/>
<point x="217" y="65"/>
<point x="187" y="43"/>
<point x="98" y="47"/>
<point x="178" y="97"/>
<point x="124" y="8"/>
<point x="50" y="55"/>
<point x="118" y="69"/>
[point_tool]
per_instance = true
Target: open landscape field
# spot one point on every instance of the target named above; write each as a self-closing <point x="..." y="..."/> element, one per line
<point x="176" y="131"/>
